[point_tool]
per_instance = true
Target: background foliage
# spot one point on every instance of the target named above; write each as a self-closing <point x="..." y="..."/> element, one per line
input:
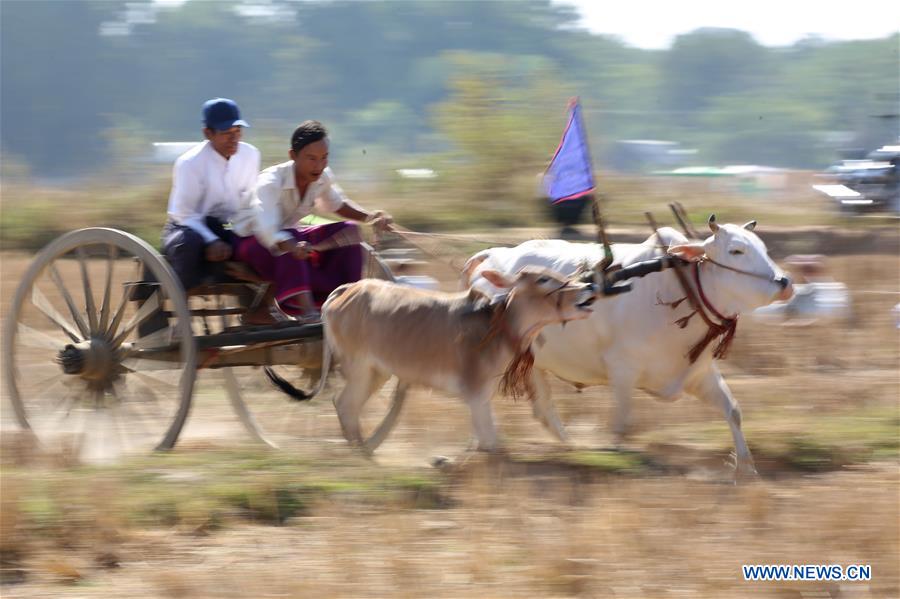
<point x="474" y="90"/>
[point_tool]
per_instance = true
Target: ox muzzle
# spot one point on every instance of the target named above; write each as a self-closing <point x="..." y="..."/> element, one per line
<point x="787" y="288"/>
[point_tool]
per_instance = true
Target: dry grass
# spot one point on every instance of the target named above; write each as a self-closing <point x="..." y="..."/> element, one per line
<point x="508" y="536"/>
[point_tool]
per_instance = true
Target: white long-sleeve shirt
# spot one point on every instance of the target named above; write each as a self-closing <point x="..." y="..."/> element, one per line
<point x="278" y="206"/>
<point x="205" y="184"/>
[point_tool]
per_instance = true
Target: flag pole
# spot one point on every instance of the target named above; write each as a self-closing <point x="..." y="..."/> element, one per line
<point x="595" y="203"/>
<point x="570" y="175"/>
<point x="601" y="235"/>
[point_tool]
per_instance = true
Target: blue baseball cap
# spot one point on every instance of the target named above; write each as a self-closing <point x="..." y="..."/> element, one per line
<point x="221" y="114"/>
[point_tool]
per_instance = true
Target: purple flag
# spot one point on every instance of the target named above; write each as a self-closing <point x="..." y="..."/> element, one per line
<point x="570" y="174"/>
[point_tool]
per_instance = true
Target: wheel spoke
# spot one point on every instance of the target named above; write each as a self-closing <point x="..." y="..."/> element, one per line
<point x="62" y="408"/>
<point x="117" y="317"/>
<point x="113" y="254"/>
<point x="89" y="305"/>
<point x="144" y="312"/>
<point x="76" y="314"/>
<point x="120" y="311"/>
<point x="50" y="407"/>
<point x="66" y="399"/>
<point x="153" y="369"/>
<point x="94" y="431"/>
<point x="37" y="339"/>
<point x="41" y="302"/>
<point x="121" y="435"/>
<point x="148" y="397"/>
<point x="120" y="392"/>
<point x="45" y="384"/>
<point x="157" y="339"/>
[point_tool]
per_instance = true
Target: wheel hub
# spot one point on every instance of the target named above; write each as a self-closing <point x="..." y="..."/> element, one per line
<point x="93" y="360"/>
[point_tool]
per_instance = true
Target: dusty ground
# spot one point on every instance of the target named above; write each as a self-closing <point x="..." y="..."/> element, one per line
<point x="821" y="414"/>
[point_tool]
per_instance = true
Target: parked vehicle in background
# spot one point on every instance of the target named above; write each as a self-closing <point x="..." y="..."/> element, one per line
<point x="865" y="185"/>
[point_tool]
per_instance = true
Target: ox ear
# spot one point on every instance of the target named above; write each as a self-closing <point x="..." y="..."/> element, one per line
<point x="713" y="225"/>
<point x="750" y="226"/>
<point x="496" y="279"/>
<point x="692" y="252"/>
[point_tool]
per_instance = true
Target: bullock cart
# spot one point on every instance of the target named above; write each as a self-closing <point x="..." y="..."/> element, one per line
<point x="101" y="339"/>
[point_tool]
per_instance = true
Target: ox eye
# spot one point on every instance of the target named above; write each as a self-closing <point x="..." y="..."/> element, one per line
<point x="736" y="252"/>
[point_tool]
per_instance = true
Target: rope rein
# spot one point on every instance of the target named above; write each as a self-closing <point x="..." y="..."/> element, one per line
<point x="437" y="250"/>
<point x="403" y="232"/>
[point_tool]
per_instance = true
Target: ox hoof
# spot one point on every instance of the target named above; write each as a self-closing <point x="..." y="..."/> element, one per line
<point x="491" y="450"/>
<point x="620" y="443"/>
<point x="745" y="476"/>
<point x="485" y="447"/>
<point x="744" y="469"/>
<point x="561" y="435"/>
<point x="619" y="439"/>
<point x="440" y="461"/>
<point x="360" y="447"/>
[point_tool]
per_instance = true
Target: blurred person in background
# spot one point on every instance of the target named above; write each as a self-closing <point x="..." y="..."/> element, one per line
<point x="210" y="183"/>
<point x="305" y="263"/>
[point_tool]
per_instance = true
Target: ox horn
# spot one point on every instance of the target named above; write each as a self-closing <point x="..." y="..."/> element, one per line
<point x="750" y="225"/>
<point x="713" y="225"/>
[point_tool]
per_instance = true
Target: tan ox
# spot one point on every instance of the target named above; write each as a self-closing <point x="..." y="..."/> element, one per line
<point x="457" y="343"/>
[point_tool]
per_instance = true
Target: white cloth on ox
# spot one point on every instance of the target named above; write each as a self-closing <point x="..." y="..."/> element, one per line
<point x="554" y="254"/>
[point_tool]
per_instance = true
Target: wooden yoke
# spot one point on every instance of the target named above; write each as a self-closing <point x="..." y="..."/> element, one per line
<point x="681" y="216"/>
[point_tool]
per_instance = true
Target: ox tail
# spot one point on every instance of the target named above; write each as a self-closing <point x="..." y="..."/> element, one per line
<point x="299" y="394"/>
<point x="292" y="391"/>
<point x="285" y="387"/>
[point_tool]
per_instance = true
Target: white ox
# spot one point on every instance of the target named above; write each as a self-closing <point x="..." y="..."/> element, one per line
<point x="631" y="340"/>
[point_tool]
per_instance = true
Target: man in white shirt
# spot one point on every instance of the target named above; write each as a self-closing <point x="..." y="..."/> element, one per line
<point x="210" y="184"/>
<point x="305" y="264"/>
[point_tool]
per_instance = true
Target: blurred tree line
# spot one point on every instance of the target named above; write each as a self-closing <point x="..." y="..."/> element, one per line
<point x="478" y="89"/>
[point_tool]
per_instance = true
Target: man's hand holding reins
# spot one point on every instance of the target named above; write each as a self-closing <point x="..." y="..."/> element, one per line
<point x="380" y="220"/>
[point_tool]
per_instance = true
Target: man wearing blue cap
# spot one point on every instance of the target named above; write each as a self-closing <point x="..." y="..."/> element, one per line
<point x="210" y="184"/>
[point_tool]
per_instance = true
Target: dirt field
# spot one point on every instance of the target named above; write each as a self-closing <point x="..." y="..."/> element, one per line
<point x="660" y="519"/>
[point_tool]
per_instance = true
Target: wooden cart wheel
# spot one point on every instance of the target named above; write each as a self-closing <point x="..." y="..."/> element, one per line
<point x="275" y="419"/>
<point x="94" y="358"/>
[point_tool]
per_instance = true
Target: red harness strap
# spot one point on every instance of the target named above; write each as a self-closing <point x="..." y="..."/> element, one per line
<point x="700" y="303"/>
<point x="727" y="326"/>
